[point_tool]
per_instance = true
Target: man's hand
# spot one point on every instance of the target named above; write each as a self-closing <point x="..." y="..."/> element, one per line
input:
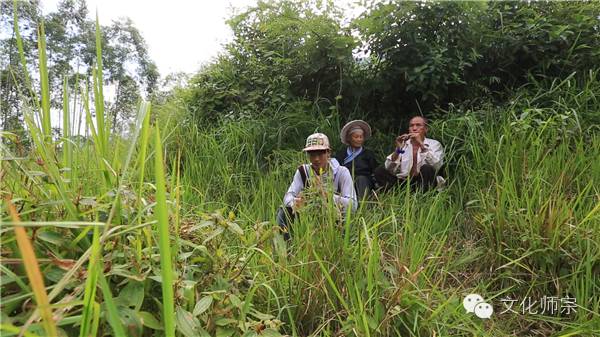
<point x="298" y="203"/>
<point x="320" y="186"/>
<point x="401" y="140"/>
<point x="415" y="138"/>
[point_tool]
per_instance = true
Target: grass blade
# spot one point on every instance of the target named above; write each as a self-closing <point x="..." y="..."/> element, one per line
<point x="163" y="241"/>
<point x="111" y="307"/>
<point x="33" y="272"/>
<point x="98" y="93"/>
<point x="15" y="330"/>
<point x="44" y="83"/>
<point x="66" y="147"/>
<point x="90" y="286"/>
<point x="330" y="281"/>
<point x="22" y="53"/>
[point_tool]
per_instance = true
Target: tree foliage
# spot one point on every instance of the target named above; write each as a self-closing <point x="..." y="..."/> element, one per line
<point x="70" y="35"/>
<point x="11" y="73"/>
<point x="396" y="59"/>
<point x="436" y="53"/>
<point x="281" y="51"/>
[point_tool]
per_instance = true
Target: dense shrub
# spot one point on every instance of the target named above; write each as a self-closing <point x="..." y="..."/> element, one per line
<point x="429" y="54"/>
<point x="395" y="60"/>
<point x="282" y="52"/>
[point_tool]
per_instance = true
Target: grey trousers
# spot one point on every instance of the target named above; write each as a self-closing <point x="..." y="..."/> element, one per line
<point x="363" y="185"/>
<point x="285" y="216"/>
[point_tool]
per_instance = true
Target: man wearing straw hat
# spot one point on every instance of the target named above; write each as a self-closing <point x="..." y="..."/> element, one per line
<point x="359" y="160"/>
<point x="416" y="158"/>
<point x="320" y="170"/>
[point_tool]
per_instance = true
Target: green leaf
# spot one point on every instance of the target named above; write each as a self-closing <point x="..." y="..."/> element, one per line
<point x="121" y="271"/>
<point x="223" y="321"/>
<point x="214" y="234"/>
<point x="270" y="333"/>
<point x="260" y="316"/>
<point x="132" y="295"/>
<point x="148" y="320"/>
<point x="236" y="301"/>
<point x="51" y="237"/>
<point x="372" y="322"/>
<point x="36" y="173"/>
<point x="202" y="305"/>
<point x="250" y="333"/>
<point x="235" y="228"/>
<point x="131" y="320"/>
<point x="225" y="332"/>
<point x="202" y="332"/>
<point x="111" y="308"/>
<point x="187" y="324"/>
<point x="201" y="225"/>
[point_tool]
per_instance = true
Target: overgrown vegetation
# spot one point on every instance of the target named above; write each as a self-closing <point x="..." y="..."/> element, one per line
<point x="410" y="57"/>
<point x="171" y="230"/>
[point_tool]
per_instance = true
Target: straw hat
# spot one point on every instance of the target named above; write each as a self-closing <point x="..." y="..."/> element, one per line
<point x="353" y="126"/>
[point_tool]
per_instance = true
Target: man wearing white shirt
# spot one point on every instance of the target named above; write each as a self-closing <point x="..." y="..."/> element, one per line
<point x="322" y="170"/>
<point x="416" y="158"/>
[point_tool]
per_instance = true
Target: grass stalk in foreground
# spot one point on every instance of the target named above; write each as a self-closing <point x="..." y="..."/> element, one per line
<point x="44" y="82"/>
<point x="113" y="316"/>
<point x="41" y="133"/>
<point x="163" y="241"/>
<point x="146" y="110"/>
<point x="19" y="41"/>
<point x="33" y="272"/>
<point x="67" y="147"/>
<point x="98" y="93"/>
<point x="90" y="286"/>
<point x="13" y="329"/>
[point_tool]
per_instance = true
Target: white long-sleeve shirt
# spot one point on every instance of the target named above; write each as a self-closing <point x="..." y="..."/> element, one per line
<point x="343" y="185"/>
<point x="434" y="156"/>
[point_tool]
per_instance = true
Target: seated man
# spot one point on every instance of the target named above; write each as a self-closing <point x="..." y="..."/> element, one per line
<point x="320" y="170"/>
<point x="416" y="158"/>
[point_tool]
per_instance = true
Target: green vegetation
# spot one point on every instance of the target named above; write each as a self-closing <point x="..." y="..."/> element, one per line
<point x="172" y="233"/>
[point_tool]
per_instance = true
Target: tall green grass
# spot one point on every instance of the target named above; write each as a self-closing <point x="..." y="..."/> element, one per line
<point x="519" y="219"/>
<point x="166" y="265"/>
<point x="59" y="198"/>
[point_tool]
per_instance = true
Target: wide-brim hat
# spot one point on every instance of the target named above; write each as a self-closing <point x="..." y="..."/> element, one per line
<point x="353" y="125"/>
<point x="316" y="142"/>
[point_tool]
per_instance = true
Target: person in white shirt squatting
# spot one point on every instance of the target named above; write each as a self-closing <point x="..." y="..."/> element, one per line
<point x="416" y="159"/>
<point x="321" y="168"/>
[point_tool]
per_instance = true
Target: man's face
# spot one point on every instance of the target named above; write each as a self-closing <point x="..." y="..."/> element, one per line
<point x="417" y="125"/>
<point x="357" y="139"/>
<point x="319" y="159"/>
